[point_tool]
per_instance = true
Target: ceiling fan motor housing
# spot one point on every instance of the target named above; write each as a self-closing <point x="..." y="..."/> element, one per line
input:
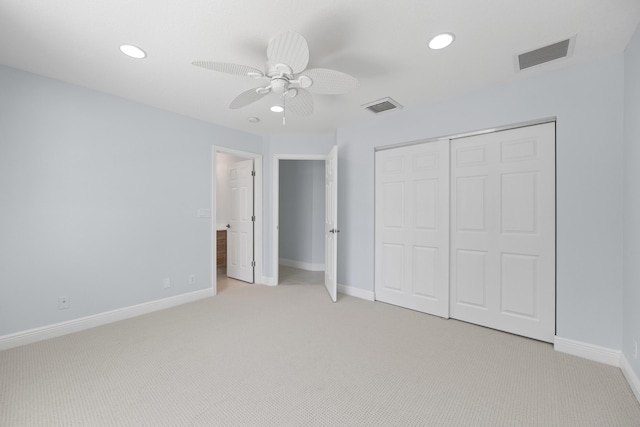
<point x="279" y="84"/>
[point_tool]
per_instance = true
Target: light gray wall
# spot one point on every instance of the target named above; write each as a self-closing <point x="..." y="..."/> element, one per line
<point x="631" y="320"/>
<point x="284" y="144"/>
<point x="98" y="201"/>
<point x="588" y="102"/>
<point x="301" y="211"/>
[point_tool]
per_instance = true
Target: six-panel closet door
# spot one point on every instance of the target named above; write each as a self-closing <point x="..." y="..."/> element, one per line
<point x="503" y="230"/>
<point x="412" y="227"/>
<point x="466" y="229"/>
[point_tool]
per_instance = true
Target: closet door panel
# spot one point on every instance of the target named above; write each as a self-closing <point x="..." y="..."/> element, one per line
<point x="412" y="227"/>
<point x="503" y="206"/>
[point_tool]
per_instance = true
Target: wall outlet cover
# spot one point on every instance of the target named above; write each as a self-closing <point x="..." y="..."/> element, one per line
<point x="64" y="303"/>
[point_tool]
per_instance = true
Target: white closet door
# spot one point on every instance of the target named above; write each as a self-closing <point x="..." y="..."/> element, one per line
<point x="503" y="230"/>
<point x="412" y="227"/>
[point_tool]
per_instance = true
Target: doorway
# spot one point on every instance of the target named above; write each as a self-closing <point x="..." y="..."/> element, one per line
<point x="237" y="216"/>
<point x="316" y="220"/>
<point x="301" y="246"/>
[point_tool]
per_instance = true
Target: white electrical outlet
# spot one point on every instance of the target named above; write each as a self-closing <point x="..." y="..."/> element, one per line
<point x="166" y="283"/>
<point x="192" y="279"/>
<point x="64" y="303"/>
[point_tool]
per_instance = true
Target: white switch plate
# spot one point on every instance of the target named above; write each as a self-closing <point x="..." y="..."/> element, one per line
<point x="204" y="213"/>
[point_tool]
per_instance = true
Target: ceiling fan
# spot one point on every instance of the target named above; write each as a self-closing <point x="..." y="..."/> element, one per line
<point x="287" y="59"/>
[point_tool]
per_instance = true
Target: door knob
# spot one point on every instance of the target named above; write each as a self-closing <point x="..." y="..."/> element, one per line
<point x="228" y="225"/>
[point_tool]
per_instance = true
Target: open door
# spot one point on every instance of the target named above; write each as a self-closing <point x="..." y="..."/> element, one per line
<point x="240" y="262"/>
<point x="331" y="223"/>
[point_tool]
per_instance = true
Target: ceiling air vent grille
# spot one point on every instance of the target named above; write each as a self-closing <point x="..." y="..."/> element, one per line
<point x="545" y="54"/>
<point x="382" y="105"/>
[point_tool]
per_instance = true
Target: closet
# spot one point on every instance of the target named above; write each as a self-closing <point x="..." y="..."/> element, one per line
<point x="465" y="228"/>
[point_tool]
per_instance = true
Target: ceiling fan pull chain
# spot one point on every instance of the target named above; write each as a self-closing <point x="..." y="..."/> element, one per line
<point x="284" y="110"/>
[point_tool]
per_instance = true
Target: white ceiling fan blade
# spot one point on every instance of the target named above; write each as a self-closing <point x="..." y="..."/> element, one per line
<point x="245" y="98"/>
<point x="291" y="49"/>
<point x="235" y="69"/>
<point x="301" y="104"/>
<point x="330" y="82"/>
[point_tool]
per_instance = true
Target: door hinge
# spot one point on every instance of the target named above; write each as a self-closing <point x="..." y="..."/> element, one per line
<point x="253" y="173"/>
<point x="253" y="264"/>
<point x="253" y="218"/>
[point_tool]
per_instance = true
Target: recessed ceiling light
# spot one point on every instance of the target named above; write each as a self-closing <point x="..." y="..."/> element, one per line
<point x="441" y="41"/>
<point x="133" y="51"/>
<point x="253" y="120"/>
<point x="277" y="109"/>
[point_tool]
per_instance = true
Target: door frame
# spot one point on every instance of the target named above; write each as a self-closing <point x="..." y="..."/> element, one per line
<point x="470" y="133"/>
<point x="257" y="208"/>
<point x="276" y="204"/>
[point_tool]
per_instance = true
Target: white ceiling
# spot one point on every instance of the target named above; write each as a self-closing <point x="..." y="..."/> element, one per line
<point x="383" y="43"/>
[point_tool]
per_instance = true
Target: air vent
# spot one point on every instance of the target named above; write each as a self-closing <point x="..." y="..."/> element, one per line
<point x="545" y="54"/>
<point x="382" y="105"/>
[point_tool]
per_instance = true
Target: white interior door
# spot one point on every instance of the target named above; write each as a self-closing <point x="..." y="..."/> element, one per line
<point x="331" y="223"/>
<point x="412" y="227"/>
<point x="503" y="230"/>
<point x="240" y="237"/>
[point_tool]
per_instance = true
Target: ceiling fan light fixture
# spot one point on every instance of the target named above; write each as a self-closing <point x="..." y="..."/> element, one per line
<point x="277" y="108"/>
<point x="441" y="41"/>
<point x="133" y="51"/>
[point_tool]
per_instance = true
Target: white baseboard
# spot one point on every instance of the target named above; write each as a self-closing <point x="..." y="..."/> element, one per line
<point x="631" y="376"/>
<point x="301" y="264"/>
<point x="600" y="354"/>
<point x="70" y="326"/>
<point x="588" y="351"/>
<point x="269" y="281"/>
<point x="356" y="292"/>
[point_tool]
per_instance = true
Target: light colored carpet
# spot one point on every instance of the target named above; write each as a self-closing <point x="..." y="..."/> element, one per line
<point x="287" y="356"/>
<point x="292" y="276"/>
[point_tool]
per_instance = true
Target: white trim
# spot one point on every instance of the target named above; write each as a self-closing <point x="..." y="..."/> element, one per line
<point x="356" y="292"/>
<point x="587" y="351"/>
<point x="631" y="376"/>
<point x="268" y="281"/>
<point x="70" y="326"/>
<point x="466" y="134"/>
<point x="302" y="265"/>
